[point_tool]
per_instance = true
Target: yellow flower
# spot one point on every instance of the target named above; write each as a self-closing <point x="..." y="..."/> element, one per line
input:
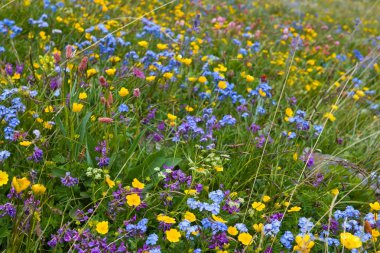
<point x="190" y="216"/>
<point x="114" y="59"/>
<point x="232" y="230"/>
<point x="189" y="108"/>
<point x="111" y="72"/>
<point x="172" y="117"/>
<point x="137" y="184"/>
<point x="249" y="78"/>
<point x="91" y="72"/>
<point x="143" y="43"/>
<point x="123" y="92"/>
<point x="294" y="209"/>
<point x="162" y="46"/>
<point x="77" y="107"/>
<point x="350" y="241"/>
<point x="304" y="244"/>
<point x="173" y="235"/>
<point x="202" y="79"/>
<point x="187" y="61"/>
<point x="258" y="227"/>
<point x="218" y="168"/>
<point x="289" y="112"/>
<point x="258" y="206"/>
<point x="38" y="189"/>
<point x="222" y="85"/>
<point x="218" y="219"/>
<point x="82" y="95"/>
<point x="330" y="116"/>
<point x="168" y="75"/>
<point x="335" y="191"/>
<point x="110" y="182"/>
<point x="245" y="238"/>
<point x="20" y="184"/>
<point x="133" y="200"/>
<point x="25" y="143"/>
<point x="49" y="109"/>
<point x="190" y="192"/>
<point x="262" y="93"/>
<point x="166" y="219"/>
<point x="375" y="206"/>
<point x="102" y="227"/>
<point x="266" y="198"/>
<point x="150" y="78"/>
<point x="375" y="233"/>
<point x="3" y="178"/>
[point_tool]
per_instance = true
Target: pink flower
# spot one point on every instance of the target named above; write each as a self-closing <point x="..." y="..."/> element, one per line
<point x="136" y="92"/>
<point x="138" y="73"/>
<point x="57" y="58"/>
<point x="105" y="120"/>
<point x="69" y="52"/>
<point x="103" y="81"/>
<point x="83" y="64"/>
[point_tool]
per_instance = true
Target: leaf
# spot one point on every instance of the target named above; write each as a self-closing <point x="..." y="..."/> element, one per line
<point x="82" y="133"/>
<point x="59" y="159"/>
<point x="58" y="172"/>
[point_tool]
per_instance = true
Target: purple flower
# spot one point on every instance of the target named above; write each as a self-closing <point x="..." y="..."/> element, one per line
<point x="37" y="155"/>
<point x="19" y="68"/>
<point x="103" y="160"/>
<point x="7" y="209"/>
<point x="68" y="180"/>
<point x="254" y="128"/>
<point x="9" y="69"/>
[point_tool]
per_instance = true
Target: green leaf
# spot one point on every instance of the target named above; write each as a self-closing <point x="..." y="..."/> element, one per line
<point x="58" y="172"/>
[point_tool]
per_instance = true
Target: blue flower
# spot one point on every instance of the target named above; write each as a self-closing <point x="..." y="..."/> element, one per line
<point x="216" y="196"/>
<point x="4" y="154"/>
<point x="305" y="225"/>
<point x="286" y="239"/>
<point x="123" y="108"/>
<point x="152" y="239"/>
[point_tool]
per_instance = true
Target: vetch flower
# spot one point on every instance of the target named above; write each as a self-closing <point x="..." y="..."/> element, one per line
<point x="68" y="180"/>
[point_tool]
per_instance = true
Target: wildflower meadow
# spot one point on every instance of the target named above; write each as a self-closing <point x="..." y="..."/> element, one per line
<point x="189" y="126"/>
